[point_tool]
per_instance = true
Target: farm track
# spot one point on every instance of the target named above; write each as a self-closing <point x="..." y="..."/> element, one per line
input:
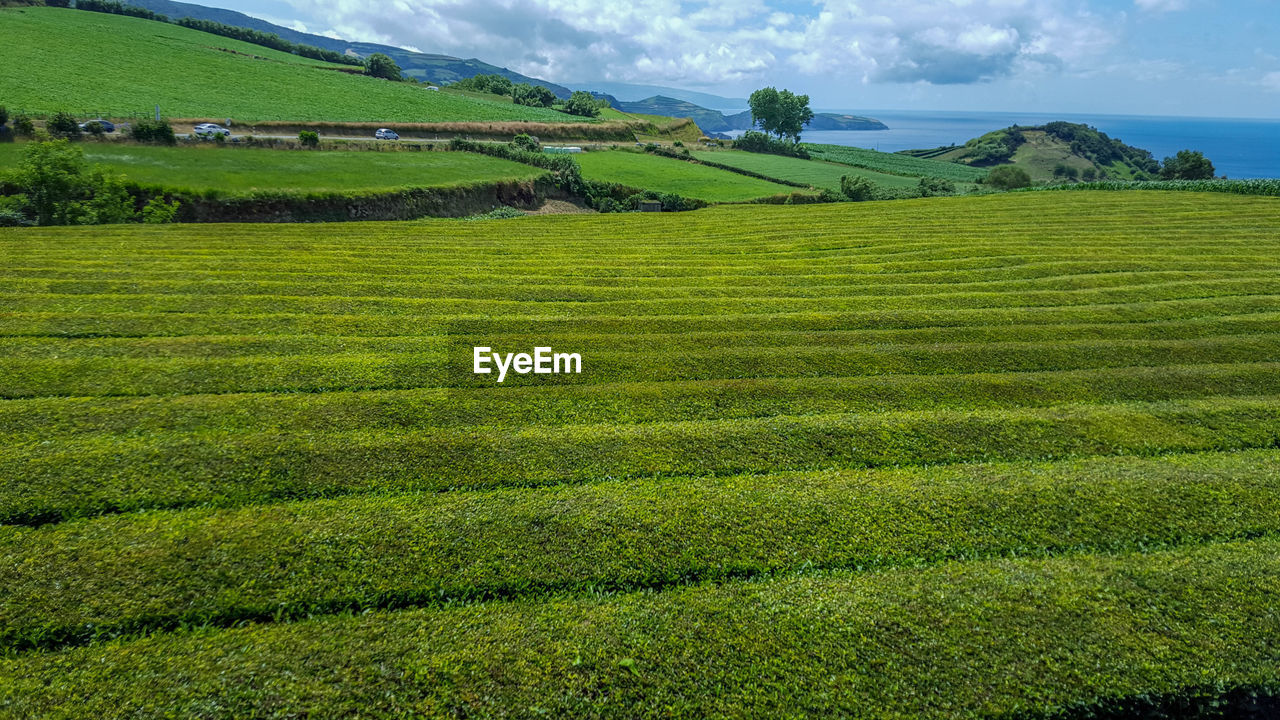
<point x="820" y="451"/>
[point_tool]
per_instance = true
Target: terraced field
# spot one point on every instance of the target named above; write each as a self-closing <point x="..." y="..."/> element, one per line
<point x="998" y="456"/>
<point x="894" y="163"/>
<point x="653" y="172"/>
<point x="818" y="173"/>
<point x="138" y="64"/>
<point x="232" y="171"/>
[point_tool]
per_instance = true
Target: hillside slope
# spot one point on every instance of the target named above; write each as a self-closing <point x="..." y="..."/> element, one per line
<point x="714" y="121"/>
<point x="1043" y="149"/>
<point x="429" y="67"/>
<point x="91" y="63"/>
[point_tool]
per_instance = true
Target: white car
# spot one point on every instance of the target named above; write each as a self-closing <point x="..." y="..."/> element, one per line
<point x="209" y="130"/>
<point x="386" y="134"/>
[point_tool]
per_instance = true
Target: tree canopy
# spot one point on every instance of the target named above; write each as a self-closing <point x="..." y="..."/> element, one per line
<point x="382" y="66"/>
<point x="780" y="112"/>
<point x="1187" y="165"/>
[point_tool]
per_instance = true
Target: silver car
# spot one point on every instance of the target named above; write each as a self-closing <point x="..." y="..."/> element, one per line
<point x="209" y="130"/>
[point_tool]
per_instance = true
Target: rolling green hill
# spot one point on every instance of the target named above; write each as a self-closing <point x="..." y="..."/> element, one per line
<point x="1041" y="149"/>
<point x="894" y="163"/>
<point x="965" y="458"/>
<point x="99" y="64"/>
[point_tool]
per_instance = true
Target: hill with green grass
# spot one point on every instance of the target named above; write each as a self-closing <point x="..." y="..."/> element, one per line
<point x="110" y="65"/>
<point x="1056" y="149"/>
<point x="714" y="121"/>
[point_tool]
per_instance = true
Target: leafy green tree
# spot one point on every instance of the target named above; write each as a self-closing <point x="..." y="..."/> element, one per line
<point x="1187" y="165"/>
<point x="158" y="211"/>
<point x="931" y="186"/>
<point x="857" y="189"/>
<point x="382" y="66"/>
<point x="1008" y="177"/>
<point x="526" y="142"/>
<point x="158" y="131"/>
<point x="582" y="103"/>
<point x="532" y="95"/>
<point x="61" y="189"/>
<point x="64" y="125"/>
<point x="22" y="125"/>
<point x="780" y="112"/>
<point x="309" y="138"/>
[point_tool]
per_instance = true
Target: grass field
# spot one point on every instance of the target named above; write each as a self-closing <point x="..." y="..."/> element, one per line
<point x="894" y="164"/>
<point x="817" y="173"/>
<point x="194" y="74"/>
<point x="652" y="172"/>
<point x="232" y="171"/>
<point x="995" y="456"/>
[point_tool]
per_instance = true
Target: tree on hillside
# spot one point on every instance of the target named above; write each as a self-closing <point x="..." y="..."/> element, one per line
<point x="532" y="95"/>
<point x="1187" y="165"/>
<point x="780" y="112"/>
<point x="1008" y="177"/>
<point x="382" y="66"/>
<point x="582" y="103"/>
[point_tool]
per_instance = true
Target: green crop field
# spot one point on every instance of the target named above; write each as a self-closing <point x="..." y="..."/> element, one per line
<point x="817" y="173"/>
<point x="231" y="171"/>
<point x="1002" y="456"/>
<point x="131" y="65"/>
<point x="653" y="172"/>
<point x="894" y="163"/>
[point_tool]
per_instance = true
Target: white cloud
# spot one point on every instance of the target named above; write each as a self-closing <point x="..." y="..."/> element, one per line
<point x="701" y="43"/>
<point x="1271" y="81"/>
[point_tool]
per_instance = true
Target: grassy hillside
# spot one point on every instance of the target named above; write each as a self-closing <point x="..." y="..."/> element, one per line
<point x="1018" y="452"/>
<point x="652" y="172"/>
<point x="116" y="65"/>
<point x="894" y="163"/>
<point x="818" y="173"/>
<point x="243" y="170"/>
<point x="1041" y="149"/>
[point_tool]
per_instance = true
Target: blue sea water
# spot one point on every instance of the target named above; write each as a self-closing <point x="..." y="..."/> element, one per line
<point x="1238" y="148"/>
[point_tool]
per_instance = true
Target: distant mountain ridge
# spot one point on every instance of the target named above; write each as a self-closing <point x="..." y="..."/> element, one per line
<point x="429" y="67"/>
<point x="631" y="92"/>
<point x="714" y="121"/>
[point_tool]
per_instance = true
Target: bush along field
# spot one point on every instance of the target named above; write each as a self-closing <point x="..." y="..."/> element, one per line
<point x="1007" y="456"/>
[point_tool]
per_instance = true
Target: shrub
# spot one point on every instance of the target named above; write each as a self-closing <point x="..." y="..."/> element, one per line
<point x="1089" y="174"/>
<point x="22" y="125"/>
<point x="527" y="142"/>
<point x="158" y="131"/>
<point x="678" y="143"/>
<point x="583" y="104"/>
<point x="1008" y="177"/>
<point x="62" y="190"/>
<point x="63" y="125"/>
<point x="158" y="211"/>
<point x="309" y="138"/>
<point x="758" y="142"/>
<point x="4" y="115"/>
<point x="930" y="186"/>
<point x="1187" y="165"/>
<point x="93" y="127"/>
<point x="382" y="66"/>
<point x="532" y="95"/>
<point x="857" y="189"/>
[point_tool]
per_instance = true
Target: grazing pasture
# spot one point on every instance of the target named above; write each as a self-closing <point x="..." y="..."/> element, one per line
<point x="956" y="457"/>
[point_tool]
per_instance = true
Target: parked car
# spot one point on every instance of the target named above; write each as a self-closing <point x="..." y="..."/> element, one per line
<point x="386" y="134"/>
<point x="107" y="125"/>
<point x="433" y="88"/>
<point x="210" y="130"/>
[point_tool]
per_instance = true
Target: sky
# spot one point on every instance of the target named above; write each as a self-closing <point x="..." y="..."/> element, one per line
<point x="1210" y="58"/>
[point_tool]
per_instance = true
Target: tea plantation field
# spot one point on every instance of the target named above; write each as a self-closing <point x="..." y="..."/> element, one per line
<point x="237" y="171"/>
<point x="654" y="172"/>
<point x="999" y="456"/>
<point x="128" y="65"/>
<point x="818" y="173"/>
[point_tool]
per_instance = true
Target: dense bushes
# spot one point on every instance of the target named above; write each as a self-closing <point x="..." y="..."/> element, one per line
<point x="532" y="95"/>
<point x="754" y="141"/>
<point x="157" y="131"/>
<point x="1097" y="147"/>
<point x="382" y="66"/>
<point x="1187" y="165"/>
<point x="55" y="186"/>
<point x="582" y="103"/>
<point x="496" y="84"/>
<point x="994" y="147"/>
<point x="269" y="40"/>
<point x="309" y="139"/>
<point x="63" y="125"/>
<point x="857" y="189"/>
<point x="1008" y="177"/>
<point x="526" y="142"/>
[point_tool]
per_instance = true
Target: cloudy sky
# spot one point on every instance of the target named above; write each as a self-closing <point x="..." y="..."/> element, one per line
<point x="1162" y="57"/>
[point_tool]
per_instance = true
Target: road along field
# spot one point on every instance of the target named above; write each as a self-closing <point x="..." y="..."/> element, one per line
<point x="653" y="172"/>
<point x="997" y="456"/>
<point x="230" y="171"/>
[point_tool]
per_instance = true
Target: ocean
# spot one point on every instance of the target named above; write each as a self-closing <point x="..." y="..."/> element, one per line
<point x="1237" y="148"/>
